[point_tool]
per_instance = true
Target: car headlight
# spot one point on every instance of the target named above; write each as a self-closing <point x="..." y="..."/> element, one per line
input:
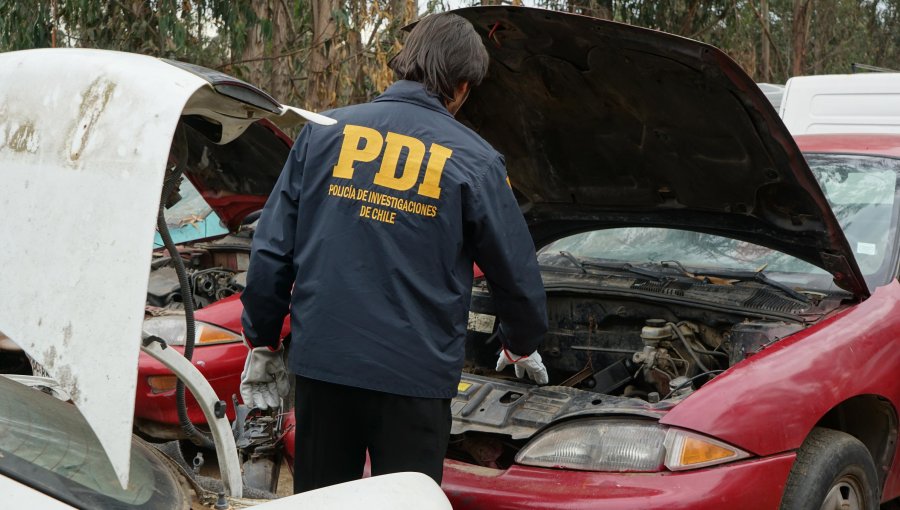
<point x="623" y="445"/>
<point x="173" y="330"/>
<point x="598" y="445"/>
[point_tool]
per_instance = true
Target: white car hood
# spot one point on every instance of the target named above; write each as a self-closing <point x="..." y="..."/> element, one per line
<point x="84" y="140"/>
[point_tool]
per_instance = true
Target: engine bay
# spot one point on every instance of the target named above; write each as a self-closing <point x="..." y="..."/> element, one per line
<point x="612" y="352"/>
<point x="634" y="337"/>
<point x="215" y="270"/>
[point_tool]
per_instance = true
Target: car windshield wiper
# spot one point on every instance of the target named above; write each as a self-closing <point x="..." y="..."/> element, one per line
<point x="573" y="259"/>
<point x="756" y="276"/>
<point x="622" y="266"/>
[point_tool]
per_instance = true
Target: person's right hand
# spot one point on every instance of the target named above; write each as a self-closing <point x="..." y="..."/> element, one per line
<point x="264" y="381"/>
<point x="532" y="365"/>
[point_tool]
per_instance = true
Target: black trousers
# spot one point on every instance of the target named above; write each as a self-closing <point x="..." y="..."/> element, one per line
<point x="336" y="424"/>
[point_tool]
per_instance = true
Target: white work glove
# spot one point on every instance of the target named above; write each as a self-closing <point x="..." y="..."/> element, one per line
<point x="531" y="365"/>
<point x="264" y="380"/>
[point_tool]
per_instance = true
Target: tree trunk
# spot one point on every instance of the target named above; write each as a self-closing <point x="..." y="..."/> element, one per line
<point x="765" y="63"/>
<point x="800" y="35"/>
<point x="402" y="12"/>
<point x="358" y="56"/>
<point x="322" y="74"/>
<point x="265" y="66"/>
<point x="687" y="21"/>
<point x="596" y="8"/>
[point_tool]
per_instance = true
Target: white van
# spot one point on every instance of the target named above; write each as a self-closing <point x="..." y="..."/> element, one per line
<point x="774" y="92"/>
<point x="842" y="103"/>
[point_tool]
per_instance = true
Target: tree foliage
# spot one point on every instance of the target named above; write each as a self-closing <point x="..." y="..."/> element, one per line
<point x="326" y="53"/>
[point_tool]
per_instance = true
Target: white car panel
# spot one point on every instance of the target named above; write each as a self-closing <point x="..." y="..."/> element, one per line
<point x="23" y="496"/>
<point x="88" y="133"/>
<point x="397" y="491"/>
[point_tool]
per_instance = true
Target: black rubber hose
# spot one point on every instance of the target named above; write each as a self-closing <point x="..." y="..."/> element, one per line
<point x="687" y="383"/>
<point x="195" y="436"/>
<point x="688" y="347"/>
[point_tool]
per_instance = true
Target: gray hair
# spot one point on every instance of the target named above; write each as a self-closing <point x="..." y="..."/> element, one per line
<point x="442" y="51"/>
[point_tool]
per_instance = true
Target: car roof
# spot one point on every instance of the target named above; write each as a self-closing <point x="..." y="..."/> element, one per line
<point x="846" y="143"/>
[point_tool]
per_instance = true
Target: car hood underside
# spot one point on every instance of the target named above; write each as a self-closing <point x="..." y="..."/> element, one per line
<point x="604" y="124"/>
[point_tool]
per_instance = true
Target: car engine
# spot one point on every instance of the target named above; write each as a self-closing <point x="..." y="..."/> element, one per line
<point x="215" y="270"/>
<point x="614" y="347"/>
<point x="643" y="345"/>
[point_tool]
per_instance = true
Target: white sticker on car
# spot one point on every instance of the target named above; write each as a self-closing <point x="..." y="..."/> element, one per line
<point x="481" y="323"/>
<point x="866" y="248"/>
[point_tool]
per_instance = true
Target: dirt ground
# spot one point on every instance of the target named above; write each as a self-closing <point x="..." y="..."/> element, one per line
<point x="285" y="479"/>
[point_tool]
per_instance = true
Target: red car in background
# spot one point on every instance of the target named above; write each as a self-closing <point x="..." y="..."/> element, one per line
<point x="722" y="298"/>
<point x="215" y="271"/>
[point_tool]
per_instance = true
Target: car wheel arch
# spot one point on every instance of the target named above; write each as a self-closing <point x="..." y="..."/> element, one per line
<point x="872" y="420"/>
<point x="832" y="470"/>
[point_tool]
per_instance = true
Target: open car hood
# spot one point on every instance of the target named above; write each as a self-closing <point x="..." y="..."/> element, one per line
<point x="85" y="139"/>
<point x="235" y="165"/>
<point x="605" y="125"/>
<point x="234" y="178"/>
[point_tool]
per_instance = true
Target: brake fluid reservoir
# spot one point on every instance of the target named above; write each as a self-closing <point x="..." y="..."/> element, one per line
<point x="655" y="331"/>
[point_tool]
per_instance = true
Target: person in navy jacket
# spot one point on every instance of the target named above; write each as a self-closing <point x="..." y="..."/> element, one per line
<point x="368" y="241"/>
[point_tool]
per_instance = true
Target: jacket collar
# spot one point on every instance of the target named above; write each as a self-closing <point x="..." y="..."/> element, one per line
<point x="413" y="92"/>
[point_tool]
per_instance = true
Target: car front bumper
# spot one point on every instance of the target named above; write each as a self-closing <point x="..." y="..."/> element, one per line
<point x="220" y="364"/>
<point x="755" y="484"/>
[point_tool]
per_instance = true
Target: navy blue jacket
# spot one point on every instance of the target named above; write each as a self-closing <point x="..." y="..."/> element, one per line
<point x="368" y="239"/>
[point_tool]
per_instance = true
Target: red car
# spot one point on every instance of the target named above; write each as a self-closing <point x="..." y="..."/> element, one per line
<point x="794" y="405"/>
<point x="722" y="298"/>
<point x="235" y="180"/>
<point x="713" y="342"/>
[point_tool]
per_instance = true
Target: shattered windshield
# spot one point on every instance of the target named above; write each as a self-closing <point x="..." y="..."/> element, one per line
<point x="862" y="191"/>
<point x="46" y="444"/>
<point x="191" y="218"/>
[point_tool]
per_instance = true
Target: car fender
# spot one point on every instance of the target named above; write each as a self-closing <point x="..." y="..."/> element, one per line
<point x="769" y="403"/>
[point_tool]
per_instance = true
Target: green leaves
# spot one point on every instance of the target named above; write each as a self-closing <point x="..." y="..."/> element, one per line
<point x="270" y="42"/>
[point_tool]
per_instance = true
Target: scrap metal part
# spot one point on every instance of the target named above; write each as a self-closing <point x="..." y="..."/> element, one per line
<point x="226" y="451"/>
